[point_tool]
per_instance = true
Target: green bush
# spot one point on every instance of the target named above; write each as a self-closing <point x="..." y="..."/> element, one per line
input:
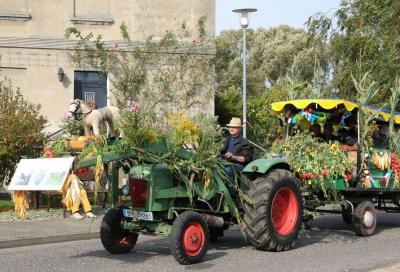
<point x="21" y="128"/>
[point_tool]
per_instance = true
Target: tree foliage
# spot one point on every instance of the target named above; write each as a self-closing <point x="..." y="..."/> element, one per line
<point x="272" y="53"/>
<point x="294" y="65"/>
<point x="21" y="126"/>
<point x="365" y="39"/>
<point x="162" y="74"/>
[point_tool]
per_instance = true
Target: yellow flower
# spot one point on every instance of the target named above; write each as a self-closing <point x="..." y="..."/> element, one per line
<point x="187" y="131"/>
<point x="335" y="147"/>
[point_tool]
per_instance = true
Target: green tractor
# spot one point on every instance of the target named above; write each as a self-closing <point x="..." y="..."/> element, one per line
<point x="266" y="203"/>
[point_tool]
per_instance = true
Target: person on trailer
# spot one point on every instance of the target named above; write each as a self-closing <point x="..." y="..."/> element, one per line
<point x="237" y="149"/>
<point x="315" y="130"/>
<point x="328" y="135"/>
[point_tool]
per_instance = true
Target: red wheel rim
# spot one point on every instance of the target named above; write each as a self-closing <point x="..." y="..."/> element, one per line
<point x="126" y="240"/>
<point x="284" y="211"/>
<point x="123" y="239"/>
<point x="193" y="239"/>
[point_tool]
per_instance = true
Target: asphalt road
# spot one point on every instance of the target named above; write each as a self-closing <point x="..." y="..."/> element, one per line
<point x="329" y="246"/>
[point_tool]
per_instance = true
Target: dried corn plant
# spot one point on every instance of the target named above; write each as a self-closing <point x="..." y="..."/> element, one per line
<point x="367" y="90"/>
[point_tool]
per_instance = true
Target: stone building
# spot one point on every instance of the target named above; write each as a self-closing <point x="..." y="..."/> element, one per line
<point x="33" y="48"/>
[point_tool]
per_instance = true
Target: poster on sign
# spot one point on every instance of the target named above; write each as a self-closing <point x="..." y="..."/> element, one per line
<point x="47" y="174"/>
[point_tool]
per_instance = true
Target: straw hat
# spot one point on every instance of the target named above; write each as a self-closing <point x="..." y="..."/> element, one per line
<point x="235" y="122"/>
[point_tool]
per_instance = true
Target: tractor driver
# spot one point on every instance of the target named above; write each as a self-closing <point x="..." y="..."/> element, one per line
<point x="236" y="148"/>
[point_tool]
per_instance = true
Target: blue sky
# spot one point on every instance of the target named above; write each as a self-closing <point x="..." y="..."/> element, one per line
<point x="271" y="12"/>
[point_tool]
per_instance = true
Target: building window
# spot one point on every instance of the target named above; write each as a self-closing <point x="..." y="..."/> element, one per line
<point x="15" y="10"/>
<point x="91" y="12"/>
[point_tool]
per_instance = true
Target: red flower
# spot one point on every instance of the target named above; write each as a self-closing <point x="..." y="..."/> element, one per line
<point x="325" y="172"/>
<point x="394" y="161"/>
<point x="348" y="175"/>
<point x="306" y="175"/>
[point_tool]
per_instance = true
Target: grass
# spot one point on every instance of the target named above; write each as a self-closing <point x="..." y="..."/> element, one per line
<point x="43" y="214"/>
<point x="7" y="213"/>
<point x="6" y="205"/>
<point x="11" y="216"/>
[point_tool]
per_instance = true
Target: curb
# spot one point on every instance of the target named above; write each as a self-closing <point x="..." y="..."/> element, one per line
<point x="393" y="268"/>
<point x="49" y="240"/>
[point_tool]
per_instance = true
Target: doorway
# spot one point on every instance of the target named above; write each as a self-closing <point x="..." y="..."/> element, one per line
<point x="91" y="87"/>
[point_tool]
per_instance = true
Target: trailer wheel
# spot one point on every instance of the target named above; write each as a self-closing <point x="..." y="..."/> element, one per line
<point x="189" y="238"/>
<point x="274" y="222"/>
<point x="114" y="239"/>
<point x="347" y="215"/>
<point x="365" y="219"/>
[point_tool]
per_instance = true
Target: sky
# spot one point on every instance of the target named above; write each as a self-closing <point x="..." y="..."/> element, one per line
<point x="271" y="13"/>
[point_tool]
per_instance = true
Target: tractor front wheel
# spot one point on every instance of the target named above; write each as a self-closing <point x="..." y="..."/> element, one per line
<point x="189" y="238"/>
<point x="114" y="239"/>
<point x="274" y="220"/>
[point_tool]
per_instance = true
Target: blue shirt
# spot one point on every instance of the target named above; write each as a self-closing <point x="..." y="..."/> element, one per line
<point x="232" y="141"/>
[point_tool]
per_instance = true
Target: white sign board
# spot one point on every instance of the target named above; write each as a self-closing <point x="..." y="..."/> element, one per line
<point x="41" y="174"/>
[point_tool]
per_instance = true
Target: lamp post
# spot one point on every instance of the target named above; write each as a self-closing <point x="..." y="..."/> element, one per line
<point x="244" y="23"/>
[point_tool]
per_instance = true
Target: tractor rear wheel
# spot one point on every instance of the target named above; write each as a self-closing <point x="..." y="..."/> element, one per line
<point x="189" y="238"/>
<point x="274" y="222"/>
<point x="114" y="239"/>
<point x="365" y="219"/>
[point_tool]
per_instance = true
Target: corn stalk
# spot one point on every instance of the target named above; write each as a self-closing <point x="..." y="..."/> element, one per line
<point x="394" y="101"/>
<point x="366" y="91"/>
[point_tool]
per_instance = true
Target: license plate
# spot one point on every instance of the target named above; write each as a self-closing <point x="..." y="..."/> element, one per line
<point x="138" y="215"/>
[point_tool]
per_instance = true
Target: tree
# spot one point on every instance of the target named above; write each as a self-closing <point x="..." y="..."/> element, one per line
<point x="150" y="79"/>
<point x="161" y="74"/>
<point x="272" y="53"/>
<point x="365" y="40"/>
<point x="21" y="126"/>
<point x="294" y="64"/>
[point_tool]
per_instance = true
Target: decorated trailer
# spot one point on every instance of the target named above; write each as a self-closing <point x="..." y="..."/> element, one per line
<point x="342" y="154"/>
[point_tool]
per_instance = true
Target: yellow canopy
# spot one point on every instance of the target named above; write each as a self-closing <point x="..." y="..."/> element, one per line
<point x="327" y="104"/>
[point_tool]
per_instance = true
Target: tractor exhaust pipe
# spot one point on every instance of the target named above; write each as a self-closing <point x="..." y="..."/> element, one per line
<point x="213" y="221"/>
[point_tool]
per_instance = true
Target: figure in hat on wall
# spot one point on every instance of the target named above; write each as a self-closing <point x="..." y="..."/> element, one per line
<point x="236" y="148"/>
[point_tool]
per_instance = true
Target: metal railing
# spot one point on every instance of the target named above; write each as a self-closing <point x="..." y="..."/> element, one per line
<point x="251" y="142"/>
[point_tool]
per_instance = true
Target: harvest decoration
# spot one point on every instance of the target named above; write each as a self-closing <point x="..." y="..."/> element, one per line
<point x="84" y="147"/>
<point x="314" y="161"/>
<point x="394" y="166"/>
<point x="192" y="146"/>
<point x="381" y="160"/>
<point x="311" y="116"/>
<point x="189" y="148"/>
<point x="20" y="199"/>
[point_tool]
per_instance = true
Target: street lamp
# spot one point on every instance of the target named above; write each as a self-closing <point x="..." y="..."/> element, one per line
<point x="244" y="23"/>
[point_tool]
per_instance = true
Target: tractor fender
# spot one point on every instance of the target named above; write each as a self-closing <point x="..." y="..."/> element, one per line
<point x="262" y="166"/>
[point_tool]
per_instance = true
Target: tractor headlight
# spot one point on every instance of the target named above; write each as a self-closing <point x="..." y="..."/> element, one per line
<point x="125" y="190"/>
